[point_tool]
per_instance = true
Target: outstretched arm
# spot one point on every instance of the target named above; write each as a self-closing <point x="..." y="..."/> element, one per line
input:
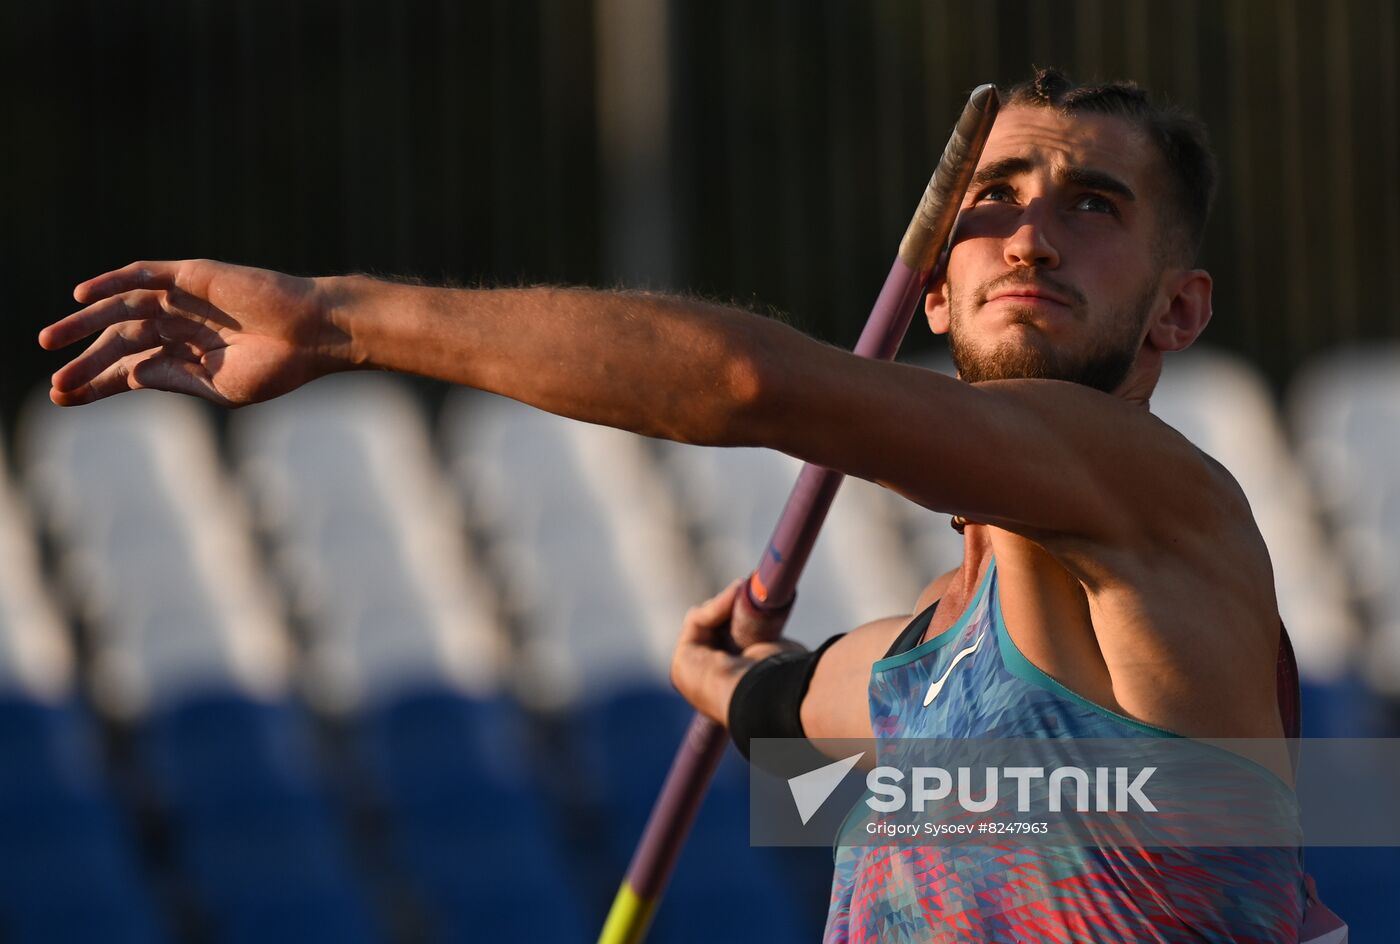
<point x="1085" y="464"/>
<point x="654" y="364"/>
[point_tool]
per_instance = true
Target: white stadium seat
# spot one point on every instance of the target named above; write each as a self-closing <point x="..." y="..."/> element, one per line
<point x="156" y="550"/>
<point x="1345" y="412"/>
<point x="586" y="539"/>
<point x="369" y="540"/>
<point x="36" y="658"/>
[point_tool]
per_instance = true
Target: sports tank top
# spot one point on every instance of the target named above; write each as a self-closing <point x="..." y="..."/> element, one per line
<point x="978" y="684"/>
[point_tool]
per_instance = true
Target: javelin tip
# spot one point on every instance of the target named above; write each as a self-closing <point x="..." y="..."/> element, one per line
<point x="933" y="221"/>
<point x="982" y="96"/>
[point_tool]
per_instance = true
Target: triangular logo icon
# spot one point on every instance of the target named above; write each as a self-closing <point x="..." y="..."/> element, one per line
<point x="811" y="790"/>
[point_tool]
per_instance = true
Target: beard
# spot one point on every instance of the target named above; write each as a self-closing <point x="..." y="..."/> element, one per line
<point x="1103" y="364"/>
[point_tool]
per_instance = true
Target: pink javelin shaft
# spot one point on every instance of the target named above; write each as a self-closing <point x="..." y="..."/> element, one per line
<point x="773" y="585"/>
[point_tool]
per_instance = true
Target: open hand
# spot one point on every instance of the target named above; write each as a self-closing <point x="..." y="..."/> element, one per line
<point x="230" y="334"/>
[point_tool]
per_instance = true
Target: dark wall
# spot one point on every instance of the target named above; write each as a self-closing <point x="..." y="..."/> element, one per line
<point x="456" y="140"/>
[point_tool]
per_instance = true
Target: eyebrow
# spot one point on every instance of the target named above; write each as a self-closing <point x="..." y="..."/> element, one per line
<point x="1001" y="170"/>
<point x="1009" y="167"/>
<point x="1097" y="180"/>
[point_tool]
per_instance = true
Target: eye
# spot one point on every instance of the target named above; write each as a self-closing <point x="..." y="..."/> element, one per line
<point x="997" y="193"/>
<point x="1097" y="203"/>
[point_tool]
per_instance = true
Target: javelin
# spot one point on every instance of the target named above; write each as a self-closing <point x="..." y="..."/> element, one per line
<point x="772" y="586"/>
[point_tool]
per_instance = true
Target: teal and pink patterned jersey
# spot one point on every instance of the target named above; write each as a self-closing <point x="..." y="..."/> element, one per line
<point x="1011" y="892"/>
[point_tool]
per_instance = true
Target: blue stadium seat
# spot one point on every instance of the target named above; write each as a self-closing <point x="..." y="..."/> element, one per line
<point x="434" y="744"/>
<point x="626" y="741"/>
<point x="47" y="749"/>
<point x="468" y="825"/>
<point x="264" y="851"/>
<point x="525" y="911"/>
<point x="56" y="847"/>
<point x="723" y="889"/>
<point x="222" y="747"/>
<point x="1347" y="707"/>
<point x="332" y="917"/>
<point x="492" y="868"/>
<point x="80" y="921"/>
<point x="264" y="868"/>
<point x="68" y="869"/>
<point x="458" y="847"/>
<point x="1359" y="885"/>
<point x="256" y="840"/>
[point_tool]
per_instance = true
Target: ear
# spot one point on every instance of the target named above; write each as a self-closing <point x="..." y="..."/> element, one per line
<point x="936" y="307"/>
<point x="1187" y="313"/>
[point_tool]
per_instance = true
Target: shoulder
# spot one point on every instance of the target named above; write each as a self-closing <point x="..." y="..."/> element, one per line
<point x="1150" y="486"/>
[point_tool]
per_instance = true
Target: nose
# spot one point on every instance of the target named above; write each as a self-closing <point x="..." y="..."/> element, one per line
<point x="1030" y="245"/>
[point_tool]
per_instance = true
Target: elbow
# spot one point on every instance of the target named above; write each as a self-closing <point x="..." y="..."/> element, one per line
<point x="746" y="387"/>
<point x="727" y="402"/>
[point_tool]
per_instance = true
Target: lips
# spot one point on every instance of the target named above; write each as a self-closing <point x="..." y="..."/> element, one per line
<point x="1029" y="294"/>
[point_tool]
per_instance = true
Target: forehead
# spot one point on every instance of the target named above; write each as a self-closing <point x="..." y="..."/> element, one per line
<point x="1050" y="140"/>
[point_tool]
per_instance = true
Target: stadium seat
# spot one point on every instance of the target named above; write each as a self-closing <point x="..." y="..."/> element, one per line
<point x="371" y="542"/>
<point x="258" y="846"/>
<point x="225" y="746"/>
<point x="157" y="550"/>
<point x="58" y="846"/>
<point x="588" y="543"/>
<point x="80" y="920"/>
<point x="49" y="749"/>
<point x="467" y="822"/>
<point x="431" y="743"/>
<point x="625" y="742"/>
<point x="1345" y="411"/>
<point x="69" y="869"/>
<point x="724" y="889"/>
<point x="257" y="851"/>
<point x="331" y="917"/>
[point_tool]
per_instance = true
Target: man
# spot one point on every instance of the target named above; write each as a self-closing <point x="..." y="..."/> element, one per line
<point x="1126" y="569"/>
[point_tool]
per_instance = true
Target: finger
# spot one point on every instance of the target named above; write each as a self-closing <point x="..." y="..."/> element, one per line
<point x="150" y="275"/>
<point x="702" y="620"/>
<point x="718" y="606"/>
<point x="131" y="306"/>
<point x="178" y="315"/>
<point x="155" y="369"/>
<point x="115" y="342"/>
<point x="113" y="380"/>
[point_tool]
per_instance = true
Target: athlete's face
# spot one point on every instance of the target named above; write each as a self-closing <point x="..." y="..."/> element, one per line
<point x="1058" y="267"/>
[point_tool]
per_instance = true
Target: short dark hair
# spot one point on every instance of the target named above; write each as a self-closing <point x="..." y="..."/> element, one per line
<point x="1180" y="138"/>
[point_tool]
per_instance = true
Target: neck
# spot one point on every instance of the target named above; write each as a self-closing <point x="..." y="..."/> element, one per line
<point x="977" y="555"/>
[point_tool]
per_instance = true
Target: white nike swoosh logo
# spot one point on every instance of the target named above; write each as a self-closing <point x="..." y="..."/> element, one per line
<point x="937" y="685"/>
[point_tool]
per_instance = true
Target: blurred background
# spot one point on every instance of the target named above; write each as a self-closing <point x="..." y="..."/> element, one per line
<point x="386" y="661"/>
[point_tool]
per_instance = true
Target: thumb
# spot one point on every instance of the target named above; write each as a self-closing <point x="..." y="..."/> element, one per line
<point x="705" y="623"/>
